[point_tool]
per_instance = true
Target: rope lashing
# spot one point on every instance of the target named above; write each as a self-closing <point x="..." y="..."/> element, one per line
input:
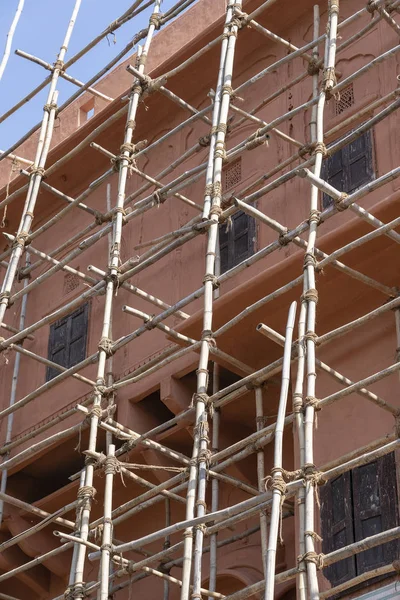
<point x="87" y="492"/>
<point x="159" y="197"/>
<point x="204" y="456"/>
<point x="311" y="336"/>
<point x="276" y="482"/>
<point x="205" y="398"/>
<point x="282" y="239"/>
<point x="37" y="171"/>
<point x="111" y="465"/>
<point x="59" y="65"/>
<point x="297" y="402"/>
<point x="314" y="535"/>
<point x="257" y="139"/>
<point x="319" y="147"/>
<point x="96" y="411"/>
<point x="339" y="202"/>
<point x="156" y="20"/>
<point x="208" y="190"/>
<point x="204" y="141"/>
<point x="21" y="239"/>
<point x="131" y="124"/>
<point x="49" y="107"/>
<point x="213" y="278"/>
<point x="106" y="345"/>
<point x="203" y="528"/>
<point x="220" y="151"/>
<point x="312" y="557"/>
<point x="314" y="66"/>
<point x="4" y="295"/>
<point x="371" y="7"/>
<point x="309" y="260"/>
<point x="311" y="401"/>
<point x="310" y="295"/>
<point x="215" y="210"/>
<point x="75" y="590"/>
<point x="314" y="216"/>
<point x="313" y="477"/>
<point x="149" y="323"/>
<point x="334" y="6"/>
<point x="217" y="189"/>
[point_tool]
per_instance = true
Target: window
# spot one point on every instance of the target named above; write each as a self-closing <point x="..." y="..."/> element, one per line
<point x="236" y="240"/>
<point x="349" y="168"/>
<point x="355" y="505"/>
<point x="67" y="341"/>
<point x="232" y="174"/>
<point x="345" y="100"/>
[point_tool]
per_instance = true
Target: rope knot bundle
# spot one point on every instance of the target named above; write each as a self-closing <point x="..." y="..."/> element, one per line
<point x="59" y="64"/>
<point x="314" y="216"/>
<point x="106" y="344"/>
<point x="215" y="210"/>
<point x="49" y="107"/>
<point x="317" y="559"/>
<point x="159" y="197"/>
<point x="313" y="66"/>
<point x="311" y="336"/>
<point x="205" y="457"/>
<point x="310" y="295"/>
<point x="311" y="401"/>
<point x="297" y="402"/>
<point x="257" y="139"/>
<point x="371" y="7"/>
<point x="156" y="20"/>
<point x="87" y="492"/>
<point x="309" y="260"/>
<point x="213" y="278"/>
<point x="111" y="465"/>
<point x="319" y="147"/>
<point x="282" y="239"/>
<point x="204" y="141"/>
<point x="217" y="189"/>
<point x="339" y="202"/>
<point x="75" y="590"/>
<point x="38" y="171"/>
<point x="21" y="239"/>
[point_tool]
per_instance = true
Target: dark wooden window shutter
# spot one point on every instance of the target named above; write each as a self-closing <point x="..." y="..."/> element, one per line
<point x="67" y="340"/>
<point x="236" y="240"/>
<point x="356" y="505"/>
<point x="337" y="526"/>
<point x="349" y="168"/>
<point x="375" y="510"/>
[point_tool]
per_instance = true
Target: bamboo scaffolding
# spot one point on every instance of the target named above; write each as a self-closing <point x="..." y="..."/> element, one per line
<point x="189" y="486"/>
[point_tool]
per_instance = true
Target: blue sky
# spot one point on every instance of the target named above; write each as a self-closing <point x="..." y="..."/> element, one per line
<point x="40" y="32"/>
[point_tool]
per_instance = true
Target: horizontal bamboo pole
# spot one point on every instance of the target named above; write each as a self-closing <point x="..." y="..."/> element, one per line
<point x="30" y="508"/>
<point x="63" y="74"/>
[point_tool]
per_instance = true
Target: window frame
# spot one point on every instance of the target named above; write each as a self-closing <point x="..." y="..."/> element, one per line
<point x="346" y="185"/>
<point x="250" y="230"/>
<point x="51" y="372"/>
<point x="388" y="513"/>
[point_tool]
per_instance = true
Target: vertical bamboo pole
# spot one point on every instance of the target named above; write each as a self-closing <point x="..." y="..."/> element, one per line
<point x="278" y="485"/>
<point x="216" y="420"/>
<point x="10" y="36"/>
<point x="167" y="542"/>
<point x="298" y="396"/>
<point x="200" y="443"/>
<point x="76" y="533"/>
<point x="111" y="464"/>
<point x="311" y="296"/>
<point x="87" y="491"/>
<point x="260" y="424"/>
<point x="37" y="171"/>
<point x="10" y="418"/>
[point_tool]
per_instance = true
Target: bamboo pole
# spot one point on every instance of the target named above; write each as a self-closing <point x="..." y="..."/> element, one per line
<point x="10" y="36"/>
<point x="277" y="482"/>
<point x="13" y="394"/>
